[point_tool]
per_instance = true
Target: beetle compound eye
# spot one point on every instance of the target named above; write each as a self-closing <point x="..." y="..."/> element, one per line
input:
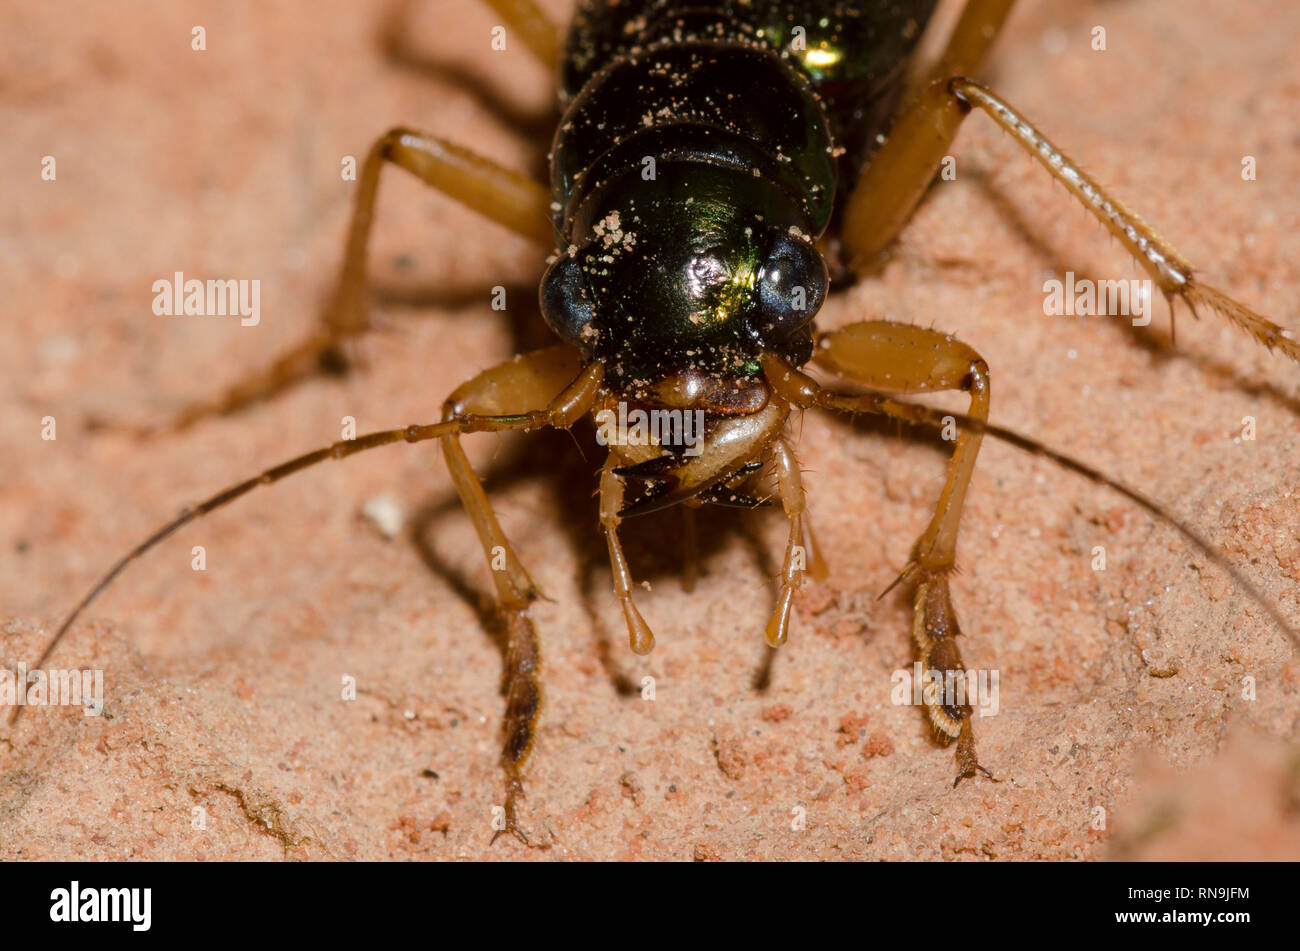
<point x="566" y="301"/>
<point x="791" y="287"/>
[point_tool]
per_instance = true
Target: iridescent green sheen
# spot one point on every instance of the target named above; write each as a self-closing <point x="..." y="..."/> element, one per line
<point x="697" y="137"/>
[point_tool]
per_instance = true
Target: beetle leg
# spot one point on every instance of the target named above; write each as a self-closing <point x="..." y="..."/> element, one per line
<point x="499" y="399"/>
<point x="640" y="637"/>
<point x="537" y="30"/>
<point x="509" y="389"/>
<point x="506" y="197"/>
<point x="504" y="392"/>
<point x="920" y="134"/>
<point x="877" y="210"/>
<point x="968" y="45"/>
<point x="800" y="554"/>
<point x="902" y="358"/>
<point x="793" y="388"/>
<point x="897" y="176"/>
<point x="905" y="359"/>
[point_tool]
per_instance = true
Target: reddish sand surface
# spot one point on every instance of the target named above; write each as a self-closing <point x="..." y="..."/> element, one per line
<point x="1127" y="727"/>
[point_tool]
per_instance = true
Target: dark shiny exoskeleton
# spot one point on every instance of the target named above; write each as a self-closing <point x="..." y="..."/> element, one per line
<point x="696" y="167"/>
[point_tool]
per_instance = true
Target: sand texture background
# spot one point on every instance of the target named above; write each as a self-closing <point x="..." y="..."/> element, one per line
<point x="1121" y="690"/>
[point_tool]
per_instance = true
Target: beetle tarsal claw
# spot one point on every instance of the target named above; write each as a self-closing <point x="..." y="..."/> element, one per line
<point x="903" y="575"/>
<point x="515" y="792"/>
<point x="967" y="762"/>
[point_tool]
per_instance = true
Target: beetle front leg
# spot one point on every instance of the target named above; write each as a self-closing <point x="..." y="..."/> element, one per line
<point x="905" y="359"/>
<point x="513" y="389"/>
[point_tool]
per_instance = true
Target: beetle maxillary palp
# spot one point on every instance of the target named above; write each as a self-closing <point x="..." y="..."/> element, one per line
<point x="640" y="637"/>
<point x="798" y="554"/>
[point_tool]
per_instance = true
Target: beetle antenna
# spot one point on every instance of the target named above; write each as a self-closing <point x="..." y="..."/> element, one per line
<point x="338" y="450"/>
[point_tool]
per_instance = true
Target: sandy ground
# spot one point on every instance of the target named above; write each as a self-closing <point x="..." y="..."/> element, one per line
<point x="1123" y="728"/>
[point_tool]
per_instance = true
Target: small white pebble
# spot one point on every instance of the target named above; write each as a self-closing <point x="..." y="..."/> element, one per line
<point x="386" y="513"/>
